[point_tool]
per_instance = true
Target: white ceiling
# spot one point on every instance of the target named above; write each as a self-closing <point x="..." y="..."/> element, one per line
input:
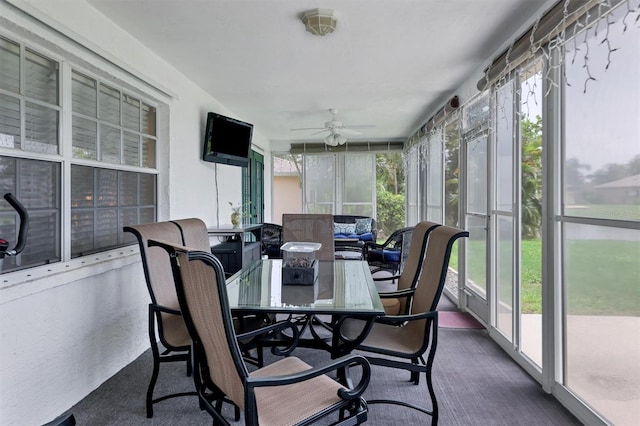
<point x="389" y="63"/>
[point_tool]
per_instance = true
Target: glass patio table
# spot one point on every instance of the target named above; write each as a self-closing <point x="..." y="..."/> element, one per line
<point x="343" y="289"/>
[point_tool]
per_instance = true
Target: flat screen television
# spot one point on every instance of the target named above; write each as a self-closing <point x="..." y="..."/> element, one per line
<point x="227" y="140"/>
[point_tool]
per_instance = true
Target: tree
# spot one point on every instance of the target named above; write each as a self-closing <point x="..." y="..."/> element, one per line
<point x="390" y="172"/>
<point x="389" y="193"/>
<point x="531" y="145"/>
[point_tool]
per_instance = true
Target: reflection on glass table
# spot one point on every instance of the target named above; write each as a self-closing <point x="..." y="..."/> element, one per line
<point x="342" y="289"/>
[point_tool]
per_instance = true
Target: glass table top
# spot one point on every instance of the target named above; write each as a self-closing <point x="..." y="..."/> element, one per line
<point x="341" y="286"/>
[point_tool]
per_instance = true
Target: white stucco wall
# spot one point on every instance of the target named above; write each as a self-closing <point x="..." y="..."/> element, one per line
<point x="66" y="328"/>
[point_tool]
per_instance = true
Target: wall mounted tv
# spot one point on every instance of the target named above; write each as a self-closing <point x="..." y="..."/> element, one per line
<point x="227" y="140"/>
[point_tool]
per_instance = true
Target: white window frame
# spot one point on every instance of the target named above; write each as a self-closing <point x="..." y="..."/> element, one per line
<point x="114" y="77"/>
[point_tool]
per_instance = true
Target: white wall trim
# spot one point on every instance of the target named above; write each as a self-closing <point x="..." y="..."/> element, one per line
<point x="27" y="282"/>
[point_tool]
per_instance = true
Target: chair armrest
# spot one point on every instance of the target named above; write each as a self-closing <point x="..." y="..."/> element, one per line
<point x="407" y="292"/>
<point x="370" y="245"/>
<point x="399" y="320"/>
<point x="392" y="277"/>
<point x="160" y="308"/>
<point x="346" y="361"/>
<point x="270" y="331"/>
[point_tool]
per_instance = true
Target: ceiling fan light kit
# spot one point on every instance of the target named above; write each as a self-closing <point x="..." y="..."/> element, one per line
<point x="319" y="22"/>
<point x="335" y="139"/>
<point x="336" y="129"/>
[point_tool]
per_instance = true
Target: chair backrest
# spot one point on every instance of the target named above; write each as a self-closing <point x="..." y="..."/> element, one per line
<point x="434" y="267"/>
<point x="202" y="294"/>
<point x="312" y="228"/>
<point x="157" y="273"/>
<point x="194" y="233"/>
<point x="404" y="244"/>
<point x="414" y="258"/>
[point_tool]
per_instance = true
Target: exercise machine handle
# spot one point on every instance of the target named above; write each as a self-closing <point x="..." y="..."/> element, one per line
<point x="24" y="224"/>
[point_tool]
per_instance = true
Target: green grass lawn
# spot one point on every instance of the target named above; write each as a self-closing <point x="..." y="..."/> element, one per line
<point x="606" y="211"/>
<point x="602" y="276"/>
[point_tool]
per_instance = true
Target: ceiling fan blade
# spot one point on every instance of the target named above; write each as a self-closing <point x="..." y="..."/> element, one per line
<point x="320" y="131"/>
<point x="309" y="128"/>
<point x="348" y="131"/>
<point x="360" y="126"/>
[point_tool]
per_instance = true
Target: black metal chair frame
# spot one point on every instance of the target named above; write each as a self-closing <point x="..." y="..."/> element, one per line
<point x="170" y="353"/>
<point x="394" y="242"/>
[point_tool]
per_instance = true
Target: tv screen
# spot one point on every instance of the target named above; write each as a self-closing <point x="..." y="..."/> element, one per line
<point x="227" y="140"/>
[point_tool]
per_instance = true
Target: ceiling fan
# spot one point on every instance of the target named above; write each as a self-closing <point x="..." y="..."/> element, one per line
<point x="337" y="130"/>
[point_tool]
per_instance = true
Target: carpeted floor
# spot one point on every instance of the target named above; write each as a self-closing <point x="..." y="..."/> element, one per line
<point x="475" y="381"/>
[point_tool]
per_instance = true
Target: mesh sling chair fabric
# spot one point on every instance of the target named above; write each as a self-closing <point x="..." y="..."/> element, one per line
<point x="164" y="310"/>
<point x="195" y="236"/>
<point x="286" y="392"/>
<point x="316" y="228"/>
<point x="399" y="301"/>
<point x="408" y="337"/>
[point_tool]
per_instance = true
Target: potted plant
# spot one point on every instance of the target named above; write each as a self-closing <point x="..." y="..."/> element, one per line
<point x="238" y="213"/>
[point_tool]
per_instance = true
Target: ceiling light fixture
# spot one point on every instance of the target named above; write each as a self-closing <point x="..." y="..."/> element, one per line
<point x="335" y="139"/>
<point x="319" y="21"/>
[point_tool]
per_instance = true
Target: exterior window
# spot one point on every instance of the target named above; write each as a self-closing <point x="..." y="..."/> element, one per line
<point x="36" y="185"/>
<point x="105" y="200"/>
<point x="115" y="128"/>
<point x="29" y="124"/>
<point x="108" y="125"/>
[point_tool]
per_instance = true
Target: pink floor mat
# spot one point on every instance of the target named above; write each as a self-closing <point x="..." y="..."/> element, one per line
<point x="454" y="319"/>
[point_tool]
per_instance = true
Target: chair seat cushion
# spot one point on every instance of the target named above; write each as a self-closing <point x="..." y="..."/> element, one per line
<point x="367" y="236"/>
<point x="391" y="306"/>
<point x="391" y="256"/>
<point x="362" y="237"/>
<point x="292" y="404"/>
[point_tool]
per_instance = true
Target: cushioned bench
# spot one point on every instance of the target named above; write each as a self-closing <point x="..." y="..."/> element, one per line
<point x="354" y="227"/>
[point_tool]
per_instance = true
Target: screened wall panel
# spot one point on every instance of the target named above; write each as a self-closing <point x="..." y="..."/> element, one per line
<point x="319" y="183"/>
<point x="358" y="184"/>
<point x="435" y="173"/>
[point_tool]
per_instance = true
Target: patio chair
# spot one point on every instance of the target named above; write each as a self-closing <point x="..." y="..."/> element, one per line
<point x="402" y="340"/>
<point x="316" y="228"/>
<point x="286" y="392"/>
<point x="399" y="301"/>
<point x="195" y="236"/>
<point x="164" y="311"/>
<point x="391" y="254"/>
<point x="271" y="240"/>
